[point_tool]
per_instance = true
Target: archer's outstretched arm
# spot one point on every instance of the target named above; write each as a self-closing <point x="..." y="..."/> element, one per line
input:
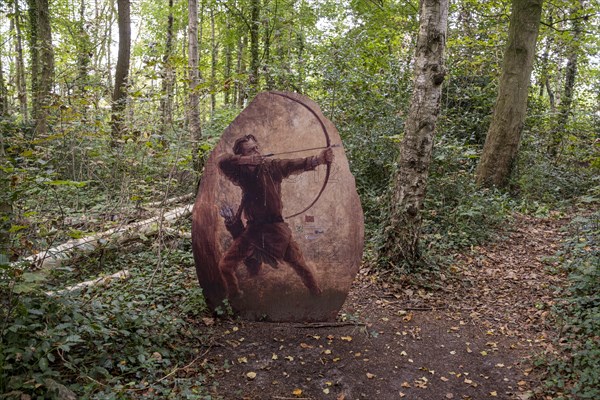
<point x="288" y="167"/>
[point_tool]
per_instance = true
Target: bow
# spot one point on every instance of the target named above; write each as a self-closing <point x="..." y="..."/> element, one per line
<point x="328" y="144"/>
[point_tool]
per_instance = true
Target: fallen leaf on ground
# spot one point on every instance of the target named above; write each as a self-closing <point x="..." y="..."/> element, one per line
<point x="251" y="375"/>
<point x="421" y="383"/>
<point x="370" y="375"/>
<point x="297" y="392"/>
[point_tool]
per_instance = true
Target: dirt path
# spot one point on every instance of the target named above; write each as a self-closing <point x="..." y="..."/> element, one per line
<point x="472" y="339"/>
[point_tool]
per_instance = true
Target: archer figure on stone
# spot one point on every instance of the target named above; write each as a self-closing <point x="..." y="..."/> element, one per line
<point x="266" y="238"/>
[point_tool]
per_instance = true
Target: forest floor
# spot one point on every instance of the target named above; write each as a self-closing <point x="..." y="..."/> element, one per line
<point x="475" y="336"/>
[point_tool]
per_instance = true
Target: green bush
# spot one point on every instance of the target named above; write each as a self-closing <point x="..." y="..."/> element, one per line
<point x="458" y="213"/>
<point x="541" y="181"/>
<point x="112" y="342"/>
<point x="573" y="371"/>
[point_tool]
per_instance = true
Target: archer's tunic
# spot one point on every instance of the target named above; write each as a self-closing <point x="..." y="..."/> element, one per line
<point x="266" y="230"/>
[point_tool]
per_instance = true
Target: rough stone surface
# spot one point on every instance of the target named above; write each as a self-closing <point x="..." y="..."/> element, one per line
<point x="330" y="233"/>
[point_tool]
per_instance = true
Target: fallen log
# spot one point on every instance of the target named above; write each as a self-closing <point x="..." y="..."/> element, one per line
<point x="55" y="256"/>
<point x="172" y="200"/>
<point x="100" y="281"/>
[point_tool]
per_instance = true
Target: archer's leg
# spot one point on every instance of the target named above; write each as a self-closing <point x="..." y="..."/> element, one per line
<point x="294" y="257"/>
<point x="238" y="251"/>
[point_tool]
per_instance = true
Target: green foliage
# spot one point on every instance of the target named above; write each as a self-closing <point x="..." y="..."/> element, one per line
<point x="541" y="182"/>
<point x="362" y="80"/>
<point x="467" y="102"/>
<point x="75" y="183"/>
<point x="573" y="372"/>
<point x="108" y="342"/>
<point x="458" y="213"/>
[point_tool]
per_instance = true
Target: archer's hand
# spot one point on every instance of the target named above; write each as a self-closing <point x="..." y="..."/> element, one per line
<point x="227" y="213"/>
<point x="326" y="156"/>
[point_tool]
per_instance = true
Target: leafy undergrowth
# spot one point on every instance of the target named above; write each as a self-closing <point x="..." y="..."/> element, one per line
<point x="465" y="336"/>
<point x="572" y="370"/>
<point x="124" y="340"/>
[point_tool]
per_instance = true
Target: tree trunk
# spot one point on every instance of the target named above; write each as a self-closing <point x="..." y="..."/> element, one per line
<point x="269" y="81"/>
<point x="46" y="58"/>
<point x="108" y="45"/>
<point x="504" y="134"/>
<point x="300" y="40"/>
<point x="166" y="102"/>
<point x="545" y="58"/>
<point x="402" y="233"/>
<point x="194" y="98"/>
<point x="213" y="65"/>
<point x="5" y="205"/>
<point x="3" y="93"/>
<point x="228" y="62"/>
<point x="241" y="68"/>
<point x="84" y="52"/>
<point x="558" y="132"/>
<point x="119" y="98"/>
<point x="34" y="63"/>
<point x="20" y="65"/>
<point x="253" y="78"/>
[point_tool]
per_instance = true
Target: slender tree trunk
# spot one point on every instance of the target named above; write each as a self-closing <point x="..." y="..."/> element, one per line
<point x="166" y="102"/>
<point x="5" y="182"/>
<point x="34" y="62"/>
<point x="194" y="97"/>
<point x="84" y="53"/>
<point x="504" y="135"/>
<point x="228" y="62"/>
<point x="213" y="64"/>
<point x="20" y="65"/>
<point x="108" y="44"/>
<point x="3" y="93"/>
<point x="5" y="206"/>
<point x="241" y="68"/>
<point x="253" y="78"/>
<point x="545" y="58"/>
<point x="282" y="75"/>
<point x="410" y="181"/>
<point x="119" y="98"/>
<point x="301" y="64"/>
<point x="558" y="132"/>
<point x="43" y="93"/>
<point x="269" y="81"/>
